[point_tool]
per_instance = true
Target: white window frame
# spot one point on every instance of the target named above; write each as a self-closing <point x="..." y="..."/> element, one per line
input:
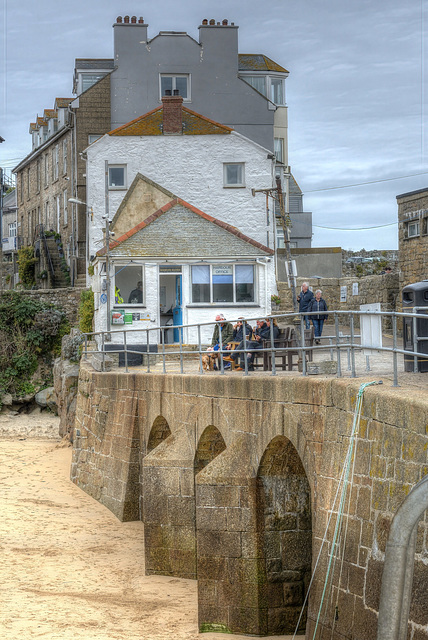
<point x="233" y="302"/>
<point x="119" y="267"/>
<point x="46" y="163"/>
<point x="417" y="227"/>
<point x="64" y="157"/>
<point x="237" y="185"/>
<point x="65" y="207"/>
<point x="12" y="230"/>
<point x="93" y="137"/>
<point x="270" y="90"/>
<point x="58" y="214"/>
<point x="174" y="76"/>
<point x="55" y="163"/>
<point x="118" y="187"/>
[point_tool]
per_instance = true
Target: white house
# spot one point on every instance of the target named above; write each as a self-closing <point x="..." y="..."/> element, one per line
<point x="185" y="221"/>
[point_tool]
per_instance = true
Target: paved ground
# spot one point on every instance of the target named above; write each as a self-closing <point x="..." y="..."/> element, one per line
<point x="378" y="364"/>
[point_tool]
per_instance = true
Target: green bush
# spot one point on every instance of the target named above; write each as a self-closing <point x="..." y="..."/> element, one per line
<point x="86" y="311"/>
<point x="26" y="266"/>
<point x="30" y="336"/>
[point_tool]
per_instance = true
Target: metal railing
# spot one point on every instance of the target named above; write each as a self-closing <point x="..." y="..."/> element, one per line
<point x="123" y="341"/>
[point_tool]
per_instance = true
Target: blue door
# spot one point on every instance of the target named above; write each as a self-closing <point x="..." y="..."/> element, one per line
<point x="177" y="312"/>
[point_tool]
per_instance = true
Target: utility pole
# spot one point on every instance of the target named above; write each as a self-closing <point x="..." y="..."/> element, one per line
<point x="277" y="194"/>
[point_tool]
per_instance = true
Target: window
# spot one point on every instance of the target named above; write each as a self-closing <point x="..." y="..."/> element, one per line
<point x="46" y="170"/>
<point x="117" y="176"/>
<point x="277" y="90"/>
<point x="412" y="228"/>
<point x="28" y="182"/>
<point x="47" y="219"/>
<point x="12" y="230"/>
<point x="223" y="283"/>
<point x="128" y="283"/>
<point x="65" y="206"/>
<point x="180" y="83"/>
<point x="55" y="163"/>
<point x="58" y="214"/>
<point x="38" y="175"/>
<point x="279" y="149"/>
<point x="89" y="79"/>
<point x="64" y="157"/>
<point x="258" y="82"/>
<point x="233" y="174"/>
<point x="270" y="87"/>
<point x="94" y="136"/>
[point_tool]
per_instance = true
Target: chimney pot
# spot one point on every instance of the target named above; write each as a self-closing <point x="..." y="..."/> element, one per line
<point x="119" y="19"/>
<point x="176" y="92"/>
<point x="167" y="92"/>
<point x="134" y="20"/>
<point x="204" y="21"/>
<point x="141" y="20"/>
<point x="224" y="22"/>
<point x="126" y="19"/>
<point x="212" y="21"/>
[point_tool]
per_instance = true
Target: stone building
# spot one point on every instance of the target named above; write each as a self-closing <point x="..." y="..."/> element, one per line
<point x="413" y="236"/>
<point x="52" y="174"/>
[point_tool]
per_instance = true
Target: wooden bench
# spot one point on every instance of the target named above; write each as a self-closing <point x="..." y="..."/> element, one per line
<point x="286" y="349"/>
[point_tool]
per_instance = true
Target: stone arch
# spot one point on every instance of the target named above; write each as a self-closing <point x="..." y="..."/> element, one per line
<point x="158" y="433"/>
<point x="210" y="444"/>
<point x="284" y="519"/>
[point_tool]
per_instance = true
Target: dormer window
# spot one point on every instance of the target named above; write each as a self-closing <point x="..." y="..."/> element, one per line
<point x="180" y="83"/>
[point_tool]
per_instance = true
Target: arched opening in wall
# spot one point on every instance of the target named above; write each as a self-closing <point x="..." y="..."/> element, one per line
<point x="210" y="444"/>
<point x="158" y="433"/>
<point x="284" y="517"/>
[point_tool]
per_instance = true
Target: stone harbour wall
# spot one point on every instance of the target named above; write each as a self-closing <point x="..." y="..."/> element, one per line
<point x="370" y="289"/>
<point x="235" y="478"/>
<point x="66" y="299"/>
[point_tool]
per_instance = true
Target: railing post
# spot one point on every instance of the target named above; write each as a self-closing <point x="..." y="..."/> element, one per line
<point x="148" y="350"/>
<point x="180" y="334"/>
<point x="302" y="342"/>
<point x="336" y="328"/>
<point x="125" y="347"/>
<point x="415" y="343"/>
<point x="245" y="351"/>
<point x="394" y="349"/>
<point x="351" y="323"/>
<point x="163" y="349"/>
<point x="272" y="350"/>
<point x="201" y="369"/>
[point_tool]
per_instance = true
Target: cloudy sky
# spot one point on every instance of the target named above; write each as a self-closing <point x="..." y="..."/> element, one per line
<point x="356" y="92"/>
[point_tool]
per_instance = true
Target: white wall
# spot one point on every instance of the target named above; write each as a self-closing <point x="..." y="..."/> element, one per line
<point x="191" y="167"/>
<point x="194" y="314"/>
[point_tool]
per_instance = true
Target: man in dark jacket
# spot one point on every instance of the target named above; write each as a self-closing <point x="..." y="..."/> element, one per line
<point x="238" y="336"/>
<point x="304" y="299"/>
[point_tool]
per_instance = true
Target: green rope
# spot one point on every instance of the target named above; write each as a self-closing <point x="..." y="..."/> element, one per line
<point x="348" y="459"/>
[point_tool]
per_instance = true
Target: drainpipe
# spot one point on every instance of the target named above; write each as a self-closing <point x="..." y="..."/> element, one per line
<point x="397" y="575"/>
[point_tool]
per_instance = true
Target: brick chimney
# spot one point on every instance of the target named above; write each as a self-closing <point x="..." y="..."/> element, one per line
<point x="172" y="113"/>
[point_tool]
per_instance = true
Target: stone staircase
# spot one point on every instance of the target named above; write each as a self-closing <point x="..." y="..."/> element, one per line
<point x="60" y="279"/>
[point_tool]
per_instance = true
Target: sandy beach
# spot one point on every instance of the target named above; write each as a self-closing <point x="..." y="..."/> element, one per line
<point x="70" y="570"/>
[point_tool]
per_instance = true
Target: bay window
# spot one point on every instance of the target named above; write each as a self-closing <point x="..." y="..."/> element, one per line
<point x="232" y="283"/>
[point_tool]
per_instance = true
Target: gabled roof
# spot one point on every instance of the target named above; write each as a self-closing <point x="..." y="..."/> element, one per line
<point x="258" y="62"/>
<point x="150" y="124"/>
<point x="178" y="202"/>
<point x="62" y="103"/>
<point x="49" y="113"/>
<point x="41" y="122"/>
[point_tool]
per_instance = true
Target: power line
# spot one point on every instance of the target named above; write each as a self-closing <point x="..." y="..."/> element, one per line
<point x="360" y="184"/>
<point x="379" y="226"/>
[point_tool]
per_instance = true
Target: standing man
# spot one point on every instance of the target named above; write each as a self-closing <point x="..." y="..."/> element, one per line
<point x="304" y="299"/>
